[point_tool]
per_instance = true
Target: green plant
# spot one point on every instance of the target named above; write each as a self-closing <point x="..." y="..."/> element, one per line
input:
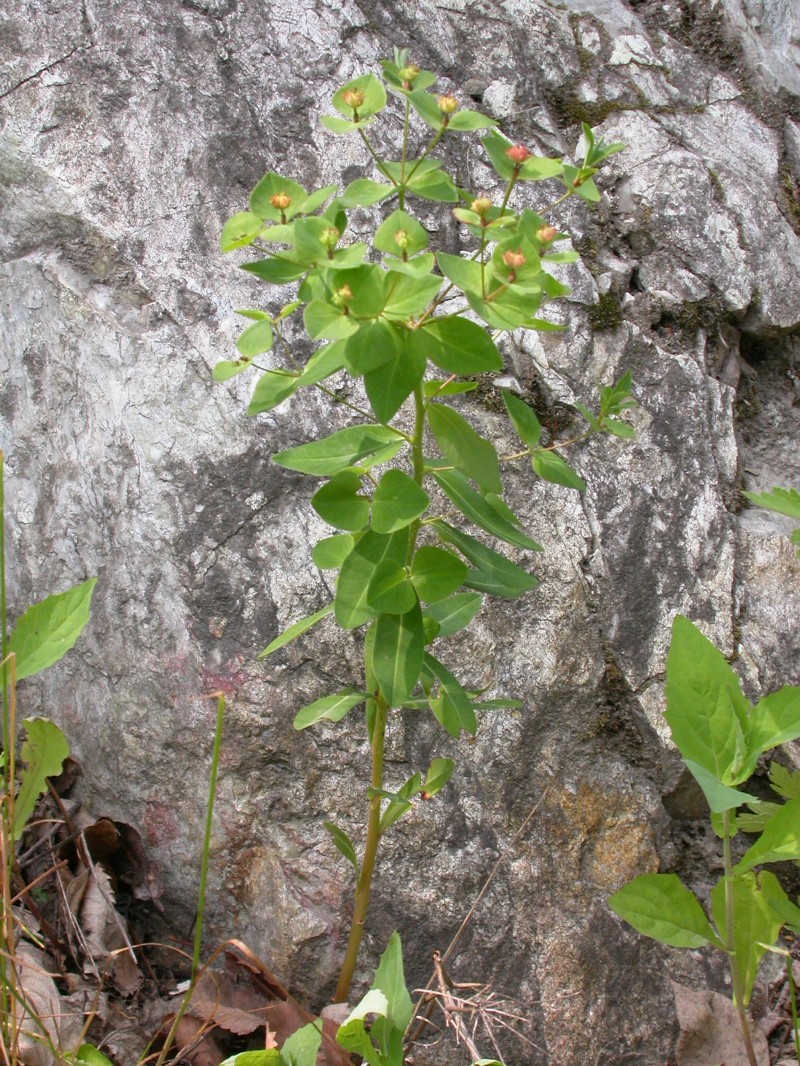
<point x="43" y="634"/>
<point x="409" y="325"/>
<point x="721" y="738"/>
<point x="782" y="501"/>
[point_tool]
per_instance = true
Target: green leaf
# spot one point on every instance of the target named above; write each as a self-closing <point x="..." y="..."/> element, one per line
<point x="358" y="569"/>
<point x="719" y="797"/>
<point x="226" y="369"/>
<point x="779" y="841"/>
<point x="551" y="467"/>
<point x="706" y="710"/>
<point x="448" y="388"/>
<point x="346" y="447"/>
<point x="470" y="120"/>
<point x="390" y="979"/>
<point x="272" y="389"/>
<point x="455" y="613"/>
<point x="436" y="573"/>
<point x="44" y="750"/>
<point x="775" y="720"/>
<point x="619" y="429"/>
<point x="660" y="906"/>
<point x="344" y="844"/>
<point x="267" y="1057"/>
<point x="397" y="655"/>
<point x="324" y="321"/>
<point x="440" y="772"/>
<point x="409" y="296"/>
<point x="331" y="552"/>
<point x="397" y="501"/>
<point x="342" y="125"/>
<point x="255" y="340"/>
<point x="391" y="384"/>
<point x="390" y="590"/>
<point x="297" y="629"/>
<point x="465" y="273"/>
<point x="88" y="1055"/>
<point x="431" y="184"/>
<point x="375" y="344"/>
<point x="363" y="192"/>
<point x="496" y="146"/>
<point x="48" y="630"/>
<point x="467" y="450"/>
<point x="367" y="284"/>
<point x="373" y="92"/>
<point x="426" y="107"/>
<point x="756" y="924"/>
<point x="302" y="1047"/>
<point x="333" y="708"/>
<point x="784" y="501"/>
<point x="471" y="504"/>
<point x="458" y="346"/>
<point x="527" y="425"/>
<point x="418" y="267"/>
<point x="452" y="707"/>
<point x="276" y="271"/>
<point x="497" y="705"/>
<point x="413" y="236"/>
<point x="785" y="782"/>
<point x="325" y="361"/>
<point x="352" y="1034"/>
<point x="493" y="573"/>
<point x="340" y="504"/>
<point x="240" y="229"/>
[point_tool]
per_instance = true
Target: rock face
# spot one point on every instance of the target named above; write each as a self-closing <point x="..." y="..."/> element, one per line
<point x="129" y="135"/>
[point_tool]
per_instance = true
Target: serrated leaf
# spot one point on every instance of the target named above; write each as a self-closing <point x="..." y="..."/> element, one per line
<point x="44" y="750"/>
<point x="466" y="449"/>
<point x="297" y="629"/>
<point x="660" y="906"/>
<point x="346" y="447"/>
<point x="332" y="708"/>
<point x="784" y="501"/>
<point x="48" y="630"/>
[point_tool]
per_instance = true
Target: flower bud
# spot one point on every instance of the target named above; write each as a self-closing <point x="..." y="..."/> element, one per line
<point x="343" y="296"/>
<point x="518" y="153"/>
<point x="546" y="234"/>
<point x="330" y="237"/>
<point x="280" y="201"/>
<point x="401" y="239"/>
<point x="481" y="205"/>
<point x="409" y="74"/>
<point x="447" y="104"/>
<point x="514" y="260"/>
<point x="353" y="98"/>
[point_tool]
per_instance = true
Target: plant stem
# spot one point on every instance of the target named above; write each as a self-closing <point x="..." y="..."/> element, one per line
<point x="730" y="940"/>
<point x="793" y="1003"/>
<point x="376" y="157"/>
<point x="370" y="854"/>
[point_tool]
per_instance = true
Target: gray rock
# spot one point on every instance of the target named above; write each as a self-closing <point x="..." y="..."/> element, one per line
<point x="127" y="141"/>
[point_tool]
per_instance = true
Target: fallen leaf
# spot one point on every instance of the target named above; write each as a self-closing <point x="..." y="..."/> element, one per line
<point x="710" y="1032"/>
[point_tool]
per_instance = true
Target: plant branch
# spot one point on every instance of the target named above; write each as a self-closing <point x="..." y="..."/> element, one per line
<point x="730" y="940"/>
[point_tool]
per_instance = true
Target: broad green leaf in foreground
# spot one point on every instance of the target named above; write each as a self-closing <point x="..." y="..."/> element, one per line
<point x="43" y="751"/>
<point x="296" y="630"/>
<point x="358" y="569"/>
<point x="755" y="923"/>
<point x="397" y="501"/>
<point x="779" y="841"/>
<point x="397" y="657"/>
<point x="660" y="906"/>
<point x="341" y="449"/>
<point x="49" y="629"/>
<point x="302" y="1047"/>
<point x="390" y="979"/>
<point x="493" y="573"/>
<point x="467" y="450"/>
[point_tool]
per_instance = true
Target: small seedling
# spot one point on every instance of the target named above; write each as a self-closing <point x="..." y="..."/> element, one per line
<point x="410" y="328"/>
<point x="721" y="738"/>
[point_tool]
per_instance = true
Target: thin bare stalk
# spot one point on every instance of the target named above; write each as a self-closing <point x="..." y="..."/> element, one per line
<point x="730" y="940"/>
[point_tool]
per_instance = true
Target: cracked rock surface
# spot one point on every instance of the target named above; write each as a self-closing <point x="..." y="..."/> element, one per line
<point x="129" y="135"/>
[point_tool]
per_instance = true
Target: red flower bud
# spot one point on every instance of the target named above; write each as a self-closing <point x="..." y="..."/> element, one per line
<point x="514" y="260"/>
<point x="518" y="153"/>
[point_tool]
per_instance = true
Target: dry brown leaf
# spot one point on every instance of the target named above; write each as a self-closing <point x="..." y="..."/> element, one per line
<point x="710" y="1032"/>
<point x="46" y="1010"/>
<point x="195" y="1042"/>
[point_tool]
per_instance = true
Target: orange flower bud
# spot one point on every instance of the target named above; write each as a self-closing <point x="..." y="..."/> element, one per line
<point x="447" y="104"/>
<point x="514" y="260"/>
<point x="280" y="201"/>
<point x="353" y="98"/>
<point x="546" y="234"/>
<point x="518" y="153"/>
<point x="481" y="205"/>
